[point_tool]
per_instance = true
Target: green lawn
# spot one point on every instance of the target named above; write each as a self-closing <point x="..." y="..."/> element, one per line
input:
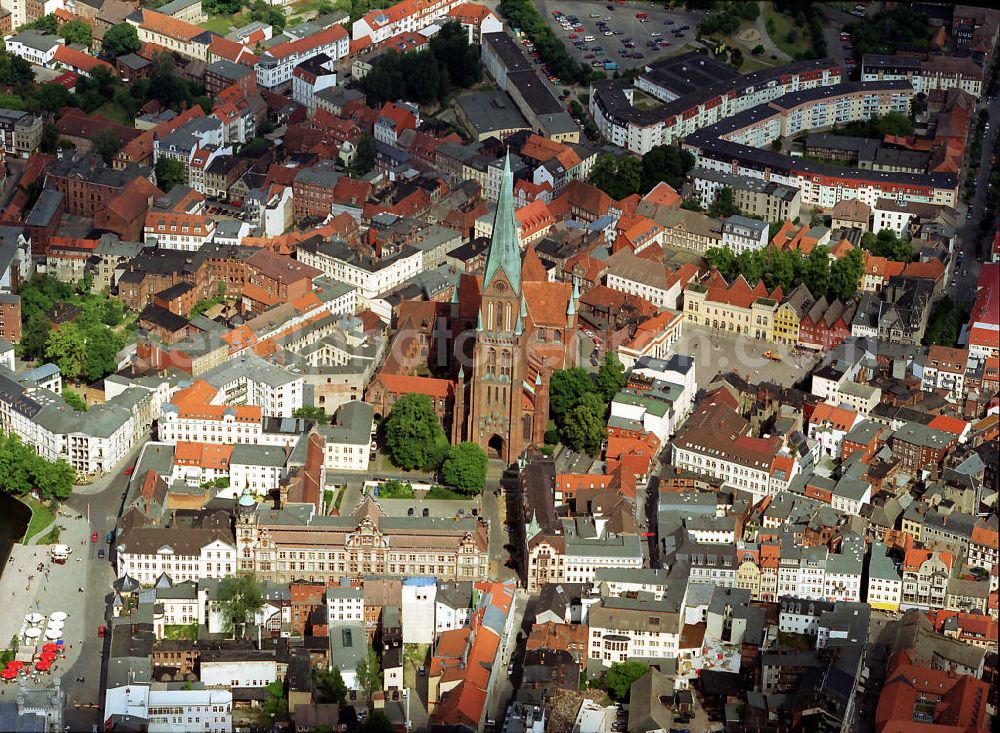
<point x="441" y="492"/>
<point x="41" y="517"/>
<point x="114" y="112"/>
<point x="221" y="24"/>
<point x="180" y="631"/>
<point x="782" y="25"/>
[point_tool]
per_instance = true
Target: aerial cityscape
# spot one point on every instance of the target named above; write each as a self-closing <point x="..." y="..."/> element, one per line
<point x="515" y="366"/>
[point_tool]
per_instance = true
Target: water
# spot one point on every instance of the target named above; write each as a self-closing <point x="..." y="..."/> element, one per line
<point x="14" y="517"/>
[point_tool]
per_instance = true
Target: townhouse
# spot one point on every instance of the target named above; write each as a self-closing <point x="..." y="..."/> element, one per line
<point x="734" y="307"/>
<point x="178" y="230"/>
<point x="146" y="553"/>
<point x="945" y="368"/>
<point x="20" y="132"/>
<point x="406" y="16"/>
<point x="742" y="234"/>
<point x="574" y="554"/>
<point x="787" y="320"/>
<point x="925" y="578"/>
<point x="885" y="583"/>
<point x="829" y="424"/>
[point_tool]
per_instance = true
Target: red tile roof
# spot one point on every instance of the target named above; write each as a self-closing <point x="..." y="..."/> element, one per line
<point x="79" y="60"/>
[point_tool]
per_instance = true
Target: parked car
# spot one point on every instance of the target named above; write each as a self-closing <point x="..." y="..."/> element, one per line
<point x="93" y="537"/>
<point x="100" y="553"/>
<point x="101" y="631"/>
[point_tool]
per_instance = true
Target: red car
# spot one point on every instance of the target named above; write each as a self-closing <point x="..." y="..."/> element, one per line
<point x="102" y="631"/>
<point x="93" y="537"/>
<point x="129" y="471"/>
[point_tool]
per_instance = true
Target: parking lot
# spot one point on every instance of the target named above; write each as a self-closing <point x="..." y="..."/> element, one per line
<point x="617" y="34"/>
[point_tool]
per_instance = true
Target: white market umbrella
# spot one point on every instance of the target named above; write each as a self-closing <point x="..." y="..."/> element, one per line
<point x="58" y="616"/>
<point x="56" y="625"/>
<point x="53" y="633"/>
<point x="34" y="618"/>
<point x="32" y="633"/>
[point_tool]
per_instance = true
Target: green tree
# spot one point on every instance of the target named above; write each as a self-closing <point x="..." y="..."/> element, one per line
<point x="169" y="173"/>
<point x="54" y="480"/>
<point x="67" y="348"/>
<point x="369" y="673"/>
<point x="74" y="400"/>
<point x="330" y="685"/>
<point x="619" y="678"/>
<point x="610" y="376"/>
<point x="76" y="31"/>
<point x="583" y="429"/>
<point x="668" y="163"/>
<point x="107" y="143"/>
<point x="45" y="24"/>
<point x="566" y="388"/>
<point x="735" y="58"/>
<point x="103" y="345"/>
<point x="456" y="55"/>
<point x="119" y="40"/>
<point x="53" y="97"/>
<point x="35" y="336"/>
<point x="15" y="465"/>
<point x="240" y="598"/>
<point x="887" y="244"/>
<point x="758" y="50"/>
<point x="724" y="204"/>
<point x="364" y="156"/>
<point x="617" y="177"/>
<point x="15" y="71"/>
<point x="377" y="722"/>
<point x="816" y="271"/>
<point x="311" y="412"/>
<point x="465" y="468"/>
<point x="412" y="431"/>
<point x="275" y="705"/>
<point x="845" y="275"/>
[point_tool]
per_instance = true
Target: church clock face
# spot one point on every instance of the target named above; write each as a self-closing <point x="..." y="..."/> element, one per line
<point x="499" y="287"/>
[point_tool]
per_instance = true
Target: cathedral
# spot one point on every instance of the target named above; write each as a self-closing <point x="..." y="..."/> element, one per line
<point x="512" y="328"/>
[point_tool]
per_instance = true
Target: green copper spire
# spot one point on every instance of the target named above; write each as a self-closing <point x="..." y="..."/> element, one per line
<point x="505" y="250"/>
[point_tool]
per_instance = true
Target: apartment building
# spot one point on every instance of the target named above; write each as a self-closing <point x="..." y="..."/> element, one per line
<point x="348" y="442"/>
<point x="767" y="200"/>
<point x="718" y="95"/>
<point x="20" y="132"/>
<point x="715" y="441"/>
<point x="277" y="64"/>
<point x="936" y="72"/>
<point x="172" y="34"/>
<point x="635" y="275"/>
<point x="371" y="276"/>
<point x="178" y="230"/>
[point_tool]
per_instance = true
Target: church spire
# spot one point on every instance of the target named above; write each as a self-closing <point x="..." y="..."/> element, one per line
<point x="505" y="250"/>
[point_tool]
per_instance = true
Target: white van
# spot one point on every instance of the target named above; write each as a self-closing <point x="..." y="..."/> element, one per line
<point x="588" y="38"/>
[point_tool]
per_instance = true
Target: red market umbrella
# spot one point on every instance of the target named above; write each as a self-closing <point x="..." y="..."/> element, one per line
<point x="50" y="647"/>
<point x="43" y="666"/>
<point x="48" y="656"/>
<point x="8" y="674"/>
<point x="15" y="664"/>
